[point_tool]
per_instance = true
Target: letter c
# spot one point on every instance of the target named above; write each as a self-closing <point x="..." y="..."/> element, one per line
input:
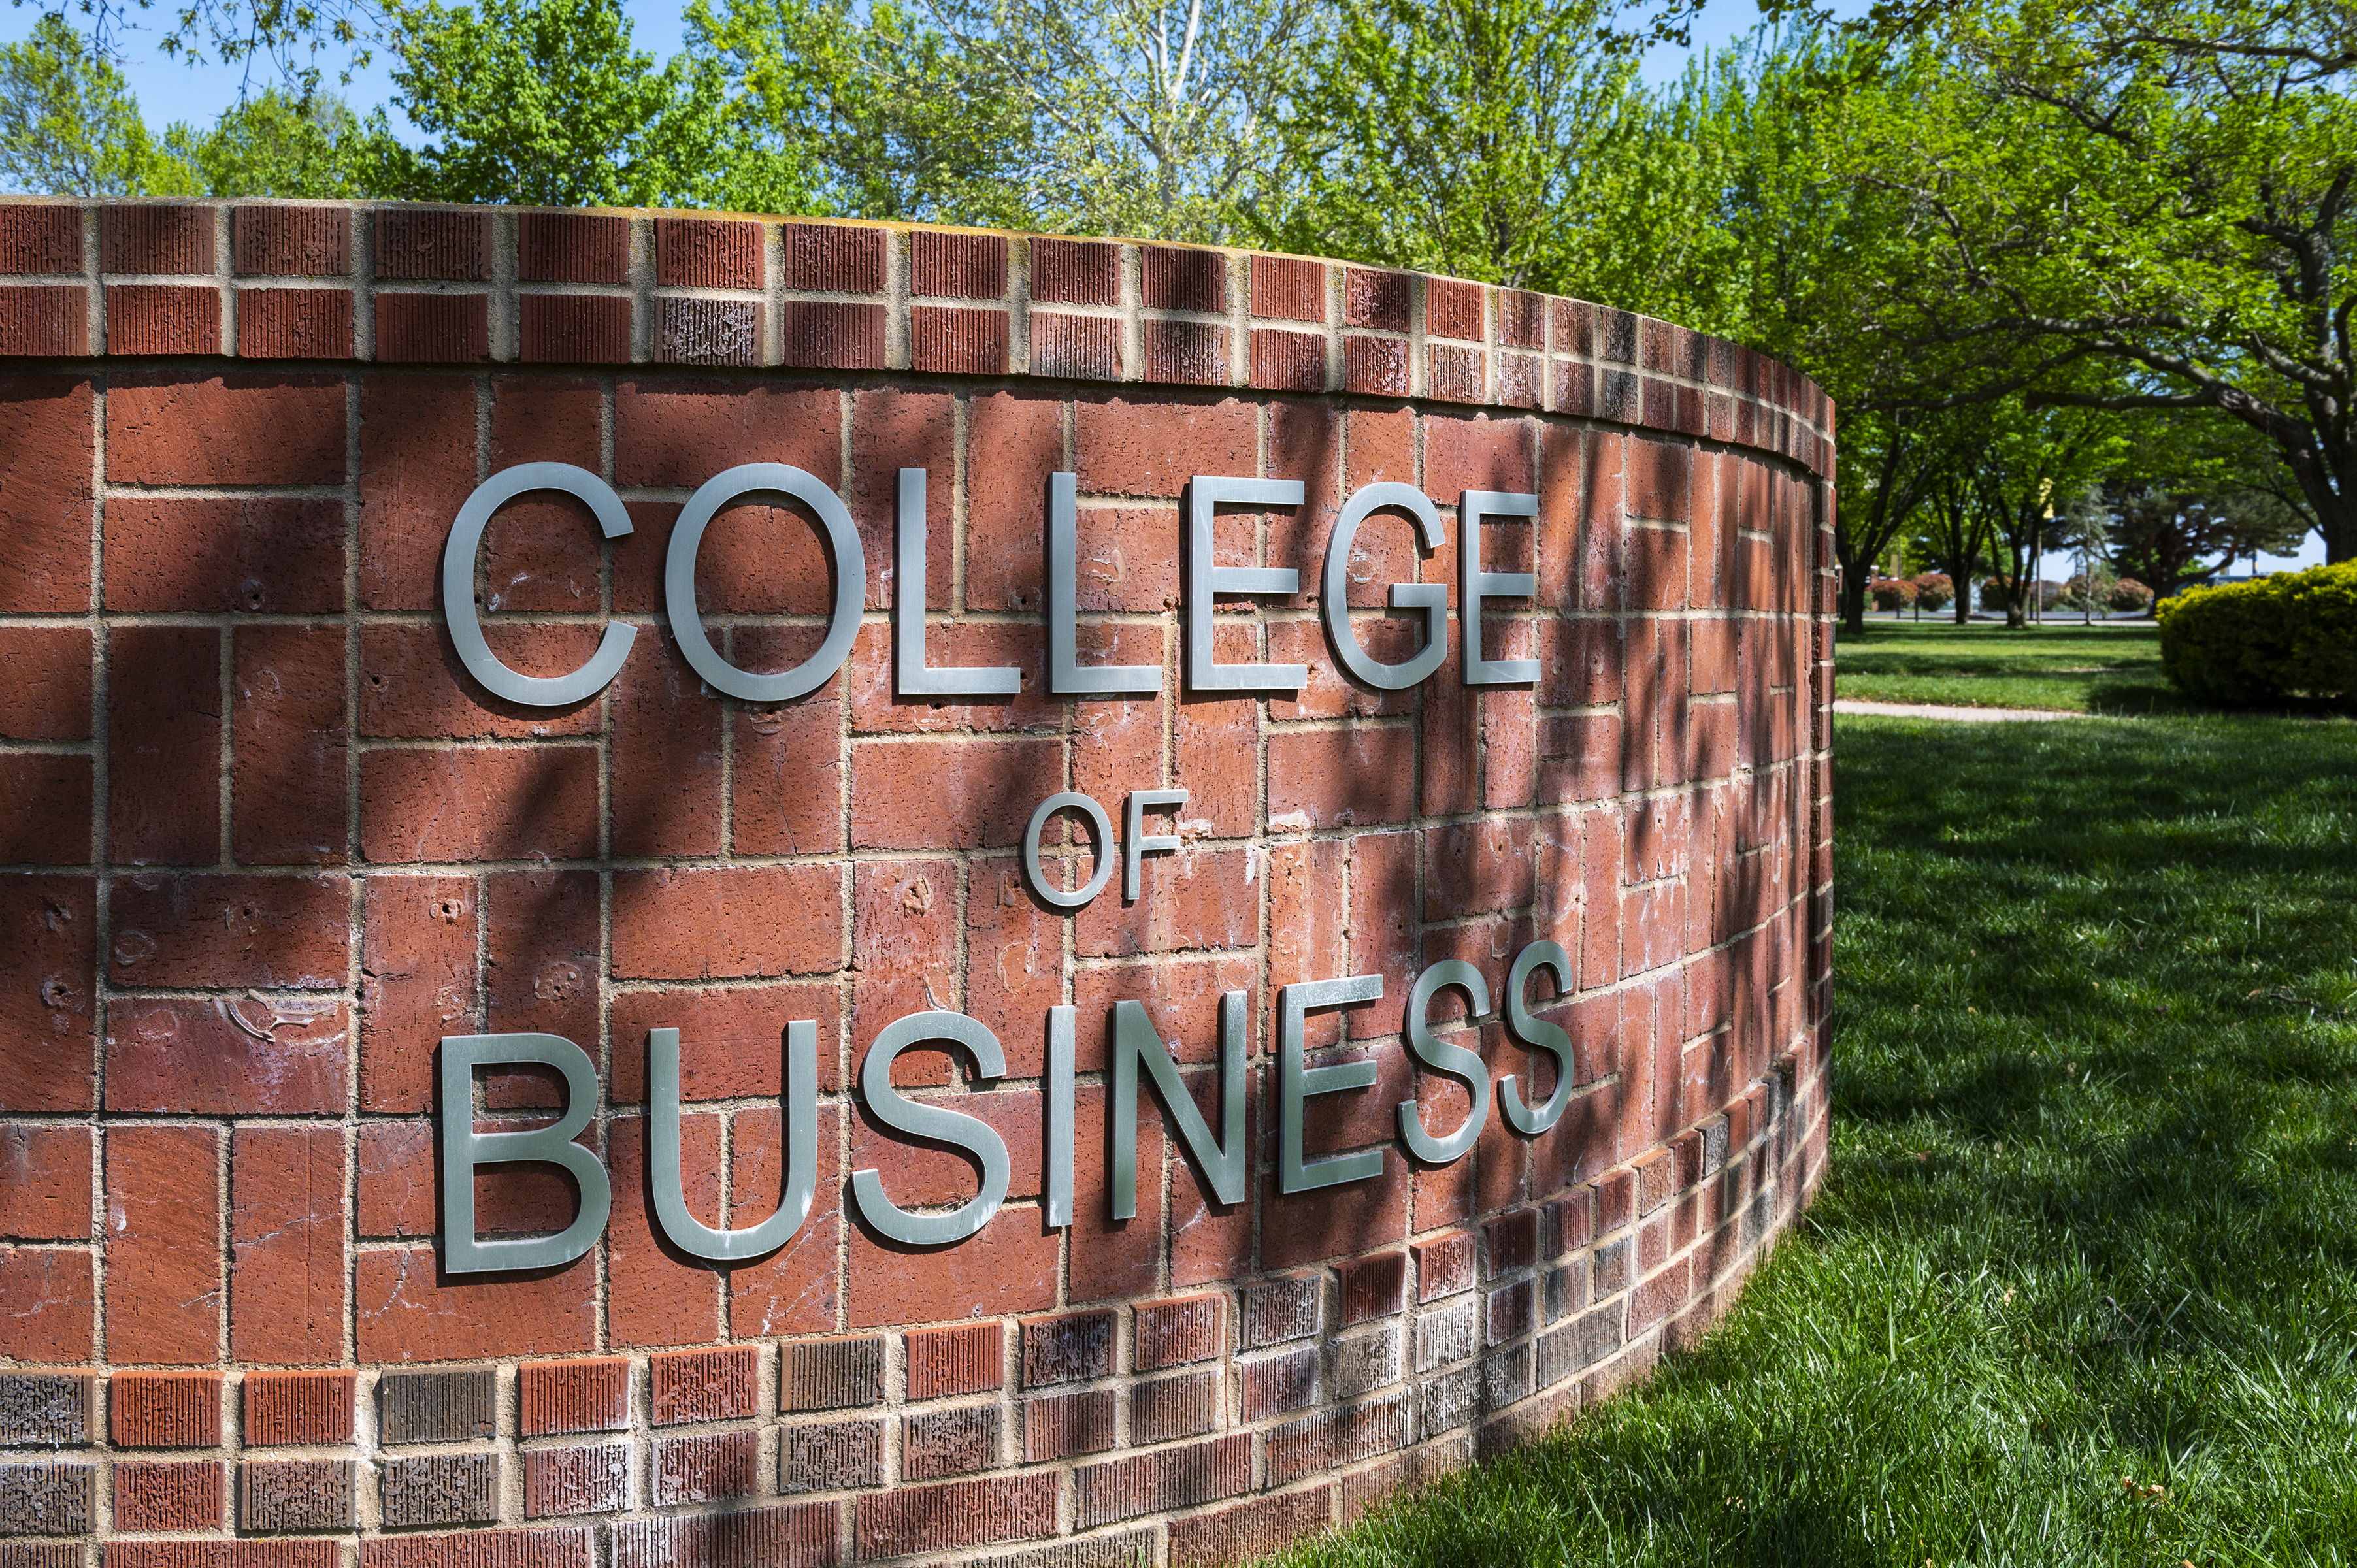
<point x="465" y="540"/>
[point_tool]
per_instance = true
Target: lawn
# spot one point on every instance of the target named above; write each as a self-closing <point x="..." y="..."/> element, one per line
<point x="2083" y="670"/>
<point x="2079" y="1288"/>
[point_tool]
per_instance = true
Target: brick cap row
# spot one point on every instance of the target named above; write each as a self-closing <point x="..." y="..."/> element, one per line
<point x="399" y="283"/>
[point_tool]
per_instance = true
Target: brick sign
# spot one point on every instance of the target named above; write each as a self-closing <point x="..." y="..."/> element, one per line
<point x="704" y="891"/>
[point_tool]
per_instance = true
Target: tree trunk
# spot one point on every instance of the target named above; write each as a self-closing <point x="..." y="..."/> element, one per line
<point x="1853" y="596"/>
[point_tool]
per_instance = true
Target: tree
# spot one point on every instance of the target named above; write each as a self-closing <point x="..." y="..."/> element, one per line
<point x="278" y="145"/>
<point x="2161" y="186"/>
<point x="547" y="102"/>
<point x="1888" y="465"/>
<point x="69" y="123"/>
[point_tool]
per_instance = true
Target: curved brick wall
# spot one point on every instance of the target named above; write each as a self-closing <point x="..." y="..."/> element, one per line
<point x="265" y="845"/>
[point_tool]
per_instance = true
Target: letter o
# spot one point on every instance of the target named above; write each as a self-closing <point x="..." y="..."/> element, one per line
<point x="466" y="541"/>
<point x="679" y="581"/>
<point x="1100" y="828"/>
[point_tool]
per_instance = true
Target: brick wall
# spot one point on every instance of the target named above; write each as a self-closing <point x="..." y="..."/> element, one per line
<point x="267" y="846"/>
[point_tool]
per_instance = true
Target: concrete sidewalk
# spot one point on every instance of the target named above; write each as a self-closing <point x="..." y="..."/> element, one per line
<point x="1944" y="710"/>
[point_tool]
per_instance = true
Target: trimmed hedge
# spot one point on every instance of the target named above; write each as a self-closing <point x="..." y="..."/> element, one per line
<point x="2249" y="644"/>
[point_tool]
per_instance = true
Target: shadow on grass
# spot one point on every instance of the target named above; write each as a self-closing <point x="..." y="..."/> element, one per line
<point x="2092" y="1206"/>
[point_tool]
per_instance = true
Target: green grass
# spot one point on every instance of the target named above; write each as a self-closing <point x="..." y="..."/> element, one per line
<point x="2092" y="1206"/>
<point x="2078" y="669"/>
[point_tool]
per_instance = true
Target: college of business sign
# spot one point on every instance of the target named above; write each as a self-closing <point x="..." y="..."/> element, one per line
<point x="1221" y="1157"/>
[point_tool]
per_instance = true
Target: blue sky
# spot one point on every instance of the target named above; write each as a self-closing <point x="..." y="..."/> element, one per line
<point x="170" y="90"/>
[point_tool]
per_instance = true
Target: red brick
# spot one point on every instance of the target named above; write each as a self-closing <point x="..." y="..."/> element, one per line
<point x="295" y="323"/>
<point x="650" y="1299"/>
<point x="1178" y="1332"/>
<point x="573" y="1396"/>
<point x="732" y="1041"/>
<point x="231" y="1056"/>
<point x="397" y="1186"/>
<point x="433" y="328"/>
<point x="156" y="237"/>
<point x="269" y="555"/>
<point x="163" y="1265"/>
<point x="1087" y="348"/>
<point x="162" y="319"/>
<point x="543" y="953"/>
<point x="574" y="329"/>
<point x="1375" y="367"/>
<point x="416" y="468"/>
<point x="957" y="265"/>
<point x="1067" y="1425"/>
<point x="1288" y="361"/>
<point x="1660" y="1296"/>
<point x="1007" y="497"/>
<point x="286" y="1252"/>
<point x="418" y="982"/>
<point x="48" y="981"/>
<point x="37" y="322"/>
<point x="162" y="1409"/>
<point x="1472" y="868"/>
<point x="1009" y="1267"/>
<point x="702" y="253"/>
<point x="289" y="734"/>
<point x="45" y="436"/>
<point x="1288" y="288"/>
<point x="279" y="932"/>
<point x="1251" y="1531"/>
<point x="243" y="428"/>
<point x="1331" y="777"/>
<point x="1075" y="272"/>
<point x="1455" y="375"/>
<point x="1454" y="309"/>
<point x="1198" y="898"/>
<point x="1178" y="279"/>
<point x="1376" y="299"/>
<point x="681" y="433"/>
<point x="589" y="1478"/>
<point x="49" y="821"/>
<point x="1154" y="448"/>
<point x="795" y="1289"/>
<point x="1383" y="932"/>
<point x="1308" y="1228"/>
<point x="704" y="1385"/>
<point x="748" y="921"/>
<point x="151" y="1494"/>
<point x="47" y="1193"/>
<point x="476" y="803"/>
<point x="1371" y="1287"/>
<point x="944" y="793"/>
<point x="445" y="245"/>
<point x="960" y="1514"/>
<point x="965" y="1360"/>
<point x="1166" y="1479"/>
<point x="1014" y="964"/>
<point x="664" y="788"/>
<point x="957" y="342"/>
<point x="40" y="237"/>
<point x="287" y="1408"/>
<point x="834" y="258"/>
<point x="573" y="247"/>
<point x="293" y="242"/>
<point x="831" y="335"/>
<point x="48" y="1304"/>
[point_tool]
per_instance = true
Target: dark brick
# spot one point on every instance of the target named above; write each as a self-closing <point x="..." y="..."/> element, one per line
<point x="959" y="1514"/>
<point x="151" y="1494"/>
<point x="1273" y="1384"/>
<point x="1125" y="1549"/>
<point x="1185" y="279"/>
<point x="1277" y="1311"/>
<point x="942" y="1443"/>
<point x="957" y="342"/>
<point x="162" y="319"/>
<point x="441" y="1488"/>
<point x="1081" y="347"/>
<point x="704" y="253"/>
<point x="1372" y="1287"/>
<point x="705" y="1468"/>
<point x="573" y="247"/>
<point x="799" y="1535"/>
<point x="45" y="1498"/>
<point x="1168" y="1408"/>
<point x="704" y="1385"/>
<point x="437" y="1407"/>
<point x="957" y="266"/>
<point x="834" y="258"/>
<point x="470" y="1549"/>
<point x="294" y="1494"/>
<point x="831" y="1374"/>
<point x="838" y="1455"/>
<point x="45" y="1408"/>
<point x="574" y="329"/>
<point x="45" y="322"/>
<point x="707" y="331"/>
<point x="1189" y="353"/>
<point x="433" y="328"/>
<point x="591" y="1479"/>
<point x="1075" y="272"/>
<point x="1379" y="300"/>
<point x="1066" y="1349"/>
<point x="1174" y="1333"/>
<point x="1586" y="1340"/>
<point x="1063" y="1425"/>
<point x="592" y="1395"/>
<point x="831" y="335"/>
<point x="1161" y="1481"/>
<point x="295" y="323"/>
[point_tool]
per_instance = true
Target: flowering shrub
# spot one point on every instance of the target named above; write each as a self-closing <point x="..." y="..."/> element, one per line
<point x="1935" y="590"/>
<point x="2129" y="594"/>
<point x="1892" y="593"/>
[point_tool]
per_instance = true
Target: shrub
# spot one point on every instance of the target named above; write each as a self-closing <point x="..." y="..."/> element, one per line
<point x="1892" y="593"/>
<point x="1935" y="590"/>
<point x="2129" y="594"/>
<point x="2244" y="644"/>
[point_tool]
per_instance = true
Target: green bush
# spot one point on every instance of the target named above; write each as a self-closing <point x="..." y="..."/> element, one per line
<point x="2245" y="644"/>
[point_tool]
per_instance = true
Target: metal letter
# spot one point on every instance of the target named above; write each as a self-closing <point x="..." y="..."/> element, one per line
<point x="1474" y="584"/>
<point x="922" y="1118"/>
<point x="1539" y="1034"/>
<point x="910" y="671"/>
<point x="1060" y="1097"/>
<point x="1296" y="1083"/>
<point x="458" y="554"/>
<point x="1205" y="582"/>
<point x="1432" y="598"/>
<point x="686" y="1233"/>
<point x="1099" y="825"/>
<point x="463" y="1149"/>
<point x="1223" y="1164"/>
<point x="1137" y="843"/>
<point x="1453" y="1061"/>
<point x="717" y="493"/>
<point x="1066" y="675"/>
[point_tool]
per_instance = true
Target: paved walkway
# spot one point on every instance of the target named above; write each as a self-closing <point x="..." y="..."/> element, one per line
<point x="1944" y="710"/>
